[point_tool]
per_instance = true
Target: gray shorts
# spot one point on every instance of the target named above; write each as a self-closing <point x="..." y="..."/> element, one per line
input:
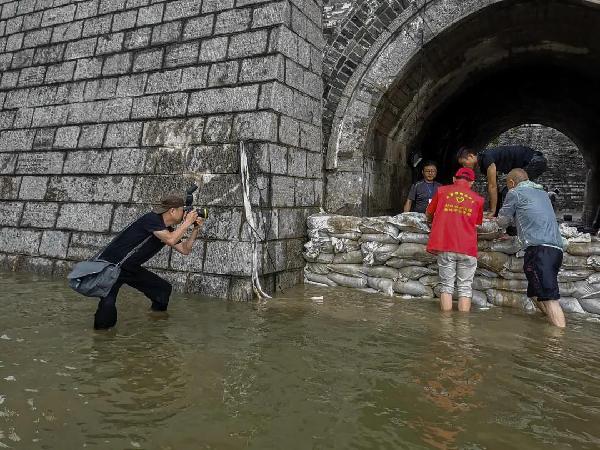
<point x="459" y="267"/>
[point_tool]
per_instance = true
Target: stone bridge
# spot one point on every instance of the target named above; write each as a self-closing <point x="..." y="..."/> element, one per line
<point x="106" y="104"/>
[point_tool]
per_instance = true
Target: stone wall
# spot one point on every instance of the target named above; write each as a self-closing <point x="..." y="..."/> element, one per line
<point x="107" y="104"/>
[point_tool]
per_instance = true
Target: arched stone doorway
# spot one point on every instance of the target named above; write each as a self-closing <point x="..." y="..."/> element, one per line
<point x="446" y="73"/>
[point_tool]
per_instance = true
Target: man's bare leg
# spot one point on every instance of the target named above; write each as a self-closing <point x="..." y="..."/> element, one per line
<point x="553" y="310"/>
<point x="464" y="304"/>
<point x="445" y="301"/>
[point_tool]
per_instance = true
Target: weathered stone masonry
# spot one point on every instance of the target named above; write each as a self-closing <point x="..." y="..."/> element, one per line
<point x="106" y="104"/>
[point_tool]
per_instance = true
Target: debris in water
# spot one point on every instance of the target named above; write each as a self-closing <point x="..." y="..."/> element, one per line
<point x="10" y="378"/>
<point x="5" y="337"/>
<point x="2" y="398"/>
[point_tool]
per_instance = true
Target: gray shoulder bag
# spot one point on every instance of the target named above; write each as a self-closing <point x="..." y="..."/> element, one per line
<point x="96" y="277"/>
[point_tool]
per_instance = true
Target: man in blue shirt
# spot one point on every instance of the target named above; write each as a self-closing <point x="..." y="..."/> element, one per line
<point x="422" y="191"/>
<point x="528" y="206"/>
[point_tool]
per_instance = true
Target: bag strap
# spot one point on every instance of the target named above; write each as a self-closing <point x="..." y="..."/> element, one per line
<point x="133" y="251"/>
<point x="112" y="240"/>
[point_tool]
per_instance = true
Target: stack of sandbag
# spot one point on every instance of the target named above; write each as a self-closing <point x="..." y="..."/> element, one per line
<point x="388" y="254"/>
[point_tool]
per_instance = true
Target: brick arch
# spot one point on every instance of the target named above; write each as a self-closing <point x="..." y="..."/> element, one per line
<point x="379" y="110"/>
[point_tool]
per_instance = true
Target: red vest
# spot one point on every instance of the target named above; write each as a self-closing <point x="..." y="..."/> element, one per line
<point x="457" y="211"/>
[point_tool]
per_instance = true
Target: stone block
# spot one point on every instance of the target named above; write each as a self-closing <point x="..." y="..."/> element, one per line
<point x="40" y="163"/>
<point x="214" y="49"/>
<point x="218" y="129"/>
<point x="181" y="8"/>
<point x="6" y="119"/>
<point x="108" y="6"/>
<point x="123" y="134"/>
<point x="54" y="244"/>
<point x="84" y="217"/>
<point x="216" y="5"/>
<point x="194" y="77"/>
<point x="297" y="162"/>
<point x="34" y="264"/>
<point x="60" y="73"/>
<point x="161" y="259"/>
<point x="211" y="159"/>
<point x="16" y="99"/>
<point x="56" y="16"/>
<point x="86" y="9"/>
<point x="50" y="116"/>
<point x="32" y="76"/>
<point x="100" y="89"/>
<point x="145" y="107"/>
<point x="20" y="240"/>
<point x="289" y="131"/>
<point x="166" y="33"/>
<point x="116" y="110"/>
<point x="150" y="189"/>
<point x="223" y="73"/>
<point x="7" y="163"/>
<point x="33" y="188"/>
<point x="150" y="15"/>
<point x="39" y="215"/>
<point x="125" y="214"/>
<point x="258" y="126"/>
<point x="84" y="48"/>
<point x="189" y="263"/>
<point x="243" y="98"/>
<point x="31" y="21"/>
<point x="165" y="161"/>
<point x="182" y="54"/>
<point x="276" y="13"/>
<point x="208" y="285"/>
<point x="166" y="81"/>
<point x="62" y="268"/>
<point x="222" y="223"/>
<point x="43" y="55"/>
<point x="292" y="223"/>
<point x="305" y="192"/>
<point x="131" y="85"/>
<point x="87" y="162"/>
<point x="173" y="133"/>
<point x="10" y="213"/>
<point x="110" y="43"/>
<point x="248" y="44"/>
<point x="124" y="20"/>
<point x="9" y="79"/>
<point x="128" y="161"/>
<point x="96" y="26"/>
<point x="148" y="60"/>
<point x="23" y="118"/>
<point x="86" y="245"/>
<point x="177" y="279"/>
<point x="117" y="64"/>
<point x="283" y="191"/>
<point x="173" y="105"/>
<point x="88" y="68"/>
<point x="269" y="158"/>
<point x="232" y="21"/>
<point x="66" y="137"/>
<point x="240" y="290"/>
<point x="34" y="38"/>
<point x="24" y="58"/>
<point x="198" y="27"/>
<point x="91" y="136"/>
<point x="139" y="38"/>
<point x="90" y="189"/>
<point x="314" y="165"/>
<point x="229" y="258"/>
<point x="262" y="68"/>
<point x="67" y="32"/>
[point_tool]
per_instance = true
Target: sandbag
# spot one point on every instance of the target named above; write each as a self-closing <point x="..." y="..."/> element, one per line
<point x="348" y="281"/>
<point x="573" y="235"/>
<point x="571" y="305"/>
<point x="375" y="253"/>
<point x="353" y="236"/>
<point x="415" y="272"/>
<point x="344" y="245"/>
<point x="510" y="299"/>
<point x="478" y="298"/>
<point x="485" y="273"/>
<point x="319" y="268"/>
<point x="574" y="262"/>
<point x="508" y="246"/>
<point x="512" y="275"/>
<point x="584" y="249"/>
<point x="415" y="238"/>
<point x="482" y="284"/>
<point x="591" y="305"/>
<point x="575" y="275"/>
<point x="317" y="245"/>
<point x="325" y="258"/>
<point x="355" y="257"/>
<point x="579" y="289"/>
<point x="411" y="221"/>
<point x="414" y="251"/>
<point x="412" y="287"/>
<point x="381" y="238"/>
<point x="594" y="278"/>
<point x="380" y="272"/>
<point x="381" y="284"/>
<point x="318" y="278"/>
<point x="379" y="225"/>
<point x="334" y="223"/>
<point x="398" y="263"/>
<point x="514" y="264"/>
<point x="494" y="261"/>
<point x="352" y="270"/>
<point x="593" y="262"/>
<point x="430" y="280"/>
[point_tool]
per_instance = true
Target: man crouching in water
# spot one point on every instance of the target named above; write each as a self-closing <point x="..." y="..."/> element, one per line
<point x="155" y="230"/>
<point x="528" y="205"/>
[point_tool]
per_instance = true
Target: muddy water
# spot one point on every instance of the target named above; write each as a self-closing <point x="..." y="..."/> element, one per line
<point x="352" y="371"/>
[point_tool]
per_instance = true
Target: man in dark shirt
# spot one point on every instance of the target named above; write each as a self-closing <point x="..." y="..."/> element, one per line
<point x="153" y="231"/>
<point x="503" y="159"/>
<point x="422" y="191"/>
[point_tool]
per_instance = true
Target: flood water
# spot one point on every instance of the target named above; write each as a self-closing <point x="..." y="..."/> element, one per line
<point x="353" y="371"/>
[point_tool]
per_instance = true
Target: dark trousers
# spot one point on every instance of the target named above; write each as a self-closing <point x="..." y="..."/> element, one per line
<point x="148" y="283"/>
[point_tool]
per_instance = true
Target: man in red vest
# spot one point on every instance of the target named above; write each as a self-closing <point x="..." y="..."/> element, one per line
<point x="456" y="211"/>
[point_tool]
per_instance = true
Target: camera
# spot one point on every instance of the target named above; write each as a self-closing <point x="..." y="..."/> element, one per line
<point x="189" y="202"/>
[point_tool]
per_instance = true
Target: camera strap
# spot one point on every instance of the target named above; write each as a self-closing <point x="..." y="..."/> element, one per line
<point x="137" y="247"/>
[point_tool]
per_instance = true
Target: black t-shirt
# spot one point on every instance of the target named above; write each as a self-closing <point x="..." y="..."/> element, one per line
<point x="138" y="231"/>
<point x="506" y="158"/>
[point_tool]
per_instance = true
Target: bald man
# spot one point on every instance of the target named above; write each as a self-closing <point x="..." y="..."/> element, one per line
<point x="528" y="206"/>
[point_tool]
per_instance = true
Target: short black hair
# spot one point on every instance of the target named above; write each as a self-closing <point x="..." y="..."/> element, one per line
<point x="464" y="152"/>
<point x="429" y="162"/>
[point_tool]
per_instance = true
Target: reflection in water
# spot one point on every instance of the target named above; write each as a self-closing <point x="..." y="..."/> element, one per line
<point x="350" y="372"/>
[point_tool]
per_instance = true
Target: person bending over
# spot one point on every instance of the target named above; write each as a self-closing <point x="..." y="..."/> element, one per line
<point x="528" y="206"/>
<point x="157" y="227"/>
<point x="422" y="191"/>
<point x="456" y="211"/>
<point x="503" y="159"/>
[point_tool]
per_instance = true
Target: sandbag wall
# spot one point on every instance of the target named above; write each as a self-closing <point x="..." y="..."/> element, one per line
<point x="388" y="255"/>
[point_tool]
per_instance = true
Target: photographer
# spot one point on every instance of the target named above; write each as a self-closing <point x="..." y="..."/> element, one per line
<point x="153" y="231"/>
